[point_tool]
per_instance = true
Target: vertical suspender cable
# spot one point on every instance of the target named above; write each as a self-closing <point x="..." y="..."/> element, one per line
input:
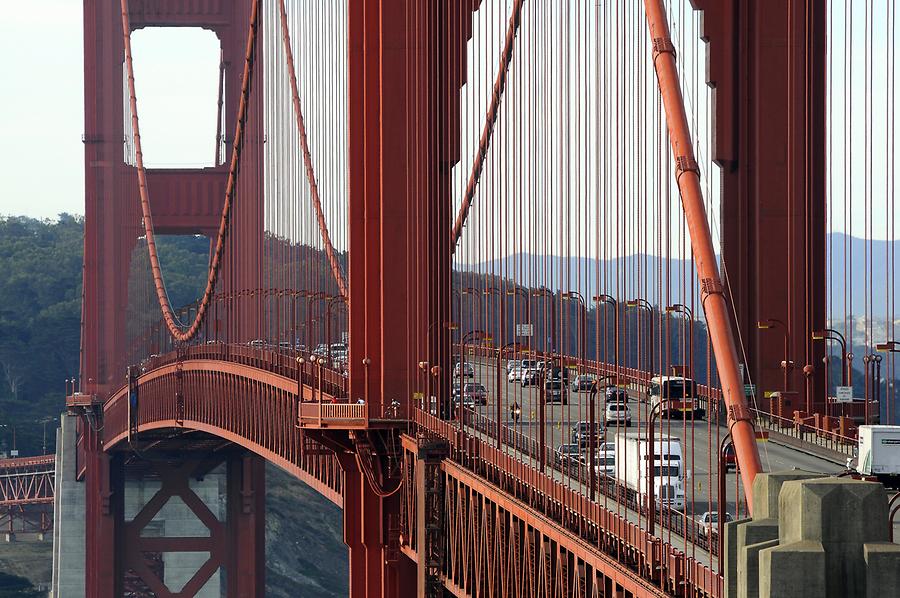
<point x="714" y="306"/>
<point x="307" y="159"/>
<point x="174" y="328"/>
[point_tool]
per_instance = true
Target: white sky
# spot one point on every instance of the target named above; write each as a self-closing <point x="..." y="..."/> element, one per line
<point x="41" y="108"/>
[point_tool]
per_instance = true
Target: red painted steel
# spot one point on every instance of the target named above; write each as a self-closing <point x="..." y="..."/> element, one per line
<point x="509" y="528"/>
<point x="27" y="481"/>
<point x="307" y="159"/>
<point x="27" y="487"/>
<point x="714" y="305"/>
<point x="506" y="56"/>
<point x="769" y="78"/>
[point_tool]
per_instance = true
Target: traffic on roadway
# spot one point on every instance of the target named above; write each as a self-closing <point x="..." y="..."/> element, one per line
<point x="685" y="447"/>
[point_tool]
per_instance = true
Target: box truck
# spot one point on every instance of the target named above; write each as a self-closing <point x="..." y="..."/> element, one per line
<point x="879" y="454"/>
<point x="632" y="459"/>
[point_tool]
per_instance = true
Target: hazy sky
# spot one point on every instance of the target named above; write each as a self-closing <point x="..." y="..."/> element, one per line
<point x="41" y="109"/>
<point x="42" y="115"/>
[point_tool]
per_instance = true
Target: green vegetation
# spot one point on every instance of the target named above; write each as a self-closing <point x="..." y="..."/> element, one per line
<point x="40" y="315"/>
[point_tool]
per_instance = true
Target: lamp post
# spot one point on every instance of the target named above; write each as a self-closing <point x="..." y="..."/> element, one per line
<point x="471" y="335"/>
<point x="610" y="300"/>
<point x="44" y="423"/>
<point x="651" y="472"/>
<point x="642" y="303"/>
<point x="310" y="298"/>
<point x="583" y="324"/>
<point x="331" y="301"/>
<point x="501" y="328"/>
<point x="829" y="334"/>
<point x="769" y="325"/>
<point x="872" y="364"/>
<point x="547" y="293"/>
<point x="889" y="347"/>
<point x="720" y="479"/>
<point x="592" y="441"/>
<point x="689" y="314"/>
<point x="471" y="292"/>
<point x="520" y="292"/>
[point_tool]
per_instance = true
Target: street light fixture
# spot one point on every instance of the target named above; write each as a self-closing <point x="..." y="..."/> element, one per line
<point x="689" y="314"/>
<point x="642" y="303"/>
<point x="770" y="324"/>
<point x="829" y="334"/>
<point x="592" y="441"/>
<point x="520" y="292"/>
<point x="547" y="293"/>
<point x="575" y="295"/>
<point x="605" y="299"/>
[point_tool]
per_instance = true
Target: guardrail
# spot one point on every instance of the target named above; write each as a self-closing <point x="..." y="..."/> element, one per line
<point x="605" y="530"/>
<point x="676" y="521"/>
<point x="281" y="362"/>
<point x="827" y="439"/>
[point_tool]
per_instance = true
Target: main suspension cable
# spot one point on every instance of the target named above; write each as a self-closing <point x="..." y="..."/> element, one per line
<point x="175" y="327"/>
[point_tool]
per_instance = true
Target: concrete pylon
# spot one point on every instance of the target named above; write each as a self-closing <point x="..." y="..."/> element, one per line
<point x="812" y="536"/>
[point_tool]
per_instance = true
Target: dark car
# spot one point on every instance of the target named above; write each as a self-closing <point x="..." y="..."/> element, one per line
<point x="531" y="377"/>
<point x="558" y="373"/>
<point x="568" y="455"/>
<point x="616" y="394"/>
<point x="581" y="435"/>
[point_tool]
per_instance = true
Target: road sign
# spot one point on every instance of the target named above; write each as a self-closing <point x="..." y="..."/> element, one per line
<point x="750" y="390"/>
<point x="524" y="329"/>
<point x="844" y="394"/>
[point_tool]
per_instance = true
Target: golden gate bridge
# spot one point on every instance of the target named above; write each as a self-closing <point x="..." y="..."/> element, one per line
<point x="468" y="261"/>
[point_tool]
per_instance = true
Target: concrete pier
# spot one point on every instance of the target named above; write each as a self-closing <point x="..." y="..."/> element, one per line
<point x="68" y="513"/>
<point x="812" y="536"/>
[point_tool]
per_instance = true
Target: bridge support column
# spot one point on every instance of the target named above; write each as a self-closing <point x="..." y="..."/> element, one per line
<point x="406" y="66"/>
<point x="430" y="518"/>
<point x="154" y="550"/>
<point x="767" y="63"/>
<point x="103" y="517"/>
<point x="812" y="537"/>
<point x="247" y="527"/>
<point x="377" y="568"/>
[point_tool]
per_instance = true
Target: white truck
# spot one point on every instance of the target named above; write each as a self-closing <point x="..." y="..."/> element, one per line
<point x="633" y="455"/>
<point x="879" y="453"/>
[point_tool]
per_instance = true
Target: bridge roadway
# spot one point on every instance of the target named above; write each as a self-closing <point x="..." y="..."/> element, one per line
<point x="700" y="441"/>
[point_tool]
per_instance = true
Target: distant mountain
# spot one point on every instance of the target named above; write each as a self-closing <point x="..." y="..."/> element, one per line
<point x="877" y="265"/>
<point x="642" y="274"/>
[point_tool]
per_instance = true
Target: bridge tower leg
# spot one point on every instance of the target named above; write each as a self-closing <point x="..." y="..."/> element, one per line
<point x="371" y="532"/>
<point x="768" y="67"/>
<point x="104" y="490"/>
<point x="406" y="65"/>
<point x="117" y="559"/>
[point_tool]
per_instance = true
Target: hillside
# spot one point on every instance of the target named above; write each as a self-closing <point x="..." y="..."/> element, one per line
<point x="849" y="258"/>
